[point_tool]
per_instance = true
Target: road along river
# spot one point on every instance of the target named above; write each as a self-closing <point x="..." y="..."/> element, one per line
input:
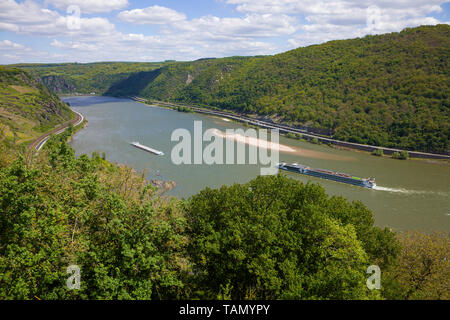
<point x="410" y="194"/>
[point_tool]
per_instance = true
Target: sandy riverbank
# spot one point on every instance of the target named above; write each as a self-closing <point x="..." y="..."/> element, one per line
<point x="254" y="141"/>
<point x="280" y="147"/>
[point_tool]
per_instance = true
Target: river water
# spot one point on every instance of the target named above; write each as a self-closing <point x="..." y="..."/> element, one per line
<point x="411" y="194"/>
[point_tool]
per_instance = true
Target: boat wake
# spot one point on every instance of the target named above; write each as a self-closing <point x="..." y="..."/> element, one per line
<point x="398" y="190"/>
<point x="406" y="191"/>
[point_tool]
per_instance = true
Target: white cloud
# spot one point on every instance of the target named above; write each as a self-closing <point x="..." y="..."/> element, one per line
<point x="74" y="45"/>
<point x="29" y="18"/>
<point x="138" y="47"/>
<point x="251" y="25"/>
<point x="9" y="27"/>
<point x="263" y="27"/>
<point x="25" y="13"/>
<point x="98" y="39"/>
<point x="90" y="6"/>
<point x="352" y="22"/>
<point x="11" y="52"/>
<point x="337" y="7"/>
<point x="254" y="25"/>
<point x="207" y="36"/>
<point x="152" y="15"/>
<point x="9" y="45"/>
<point x="343" y="19"/>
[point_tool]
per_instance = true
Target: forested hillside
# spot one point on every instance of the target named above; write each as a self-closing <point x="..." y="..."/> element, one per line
<point x="390" y="90"/>
<point x="169" y="81"/>
<point x="27" y="108"/>
<point x="85" y="78"/>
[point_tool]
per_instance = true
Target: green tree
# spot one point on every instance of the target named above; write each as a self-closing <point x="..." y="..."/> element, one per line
<point x="60" y="210"/>
<point x="422" y="270"/>
<point x="275" y="237"/>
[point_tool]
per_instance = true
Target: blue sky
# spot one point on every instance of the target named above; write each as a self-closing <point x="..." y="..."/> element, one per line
<point x="138" y="30"/>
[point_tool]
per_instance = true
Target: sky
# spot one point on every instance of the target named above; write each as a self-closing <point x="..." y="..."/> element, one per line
<point x="43" y="31"/>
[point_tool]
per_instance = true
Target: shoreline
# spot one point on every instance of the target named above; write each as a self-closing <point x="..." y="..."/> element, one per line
<point x="437" y="161"/>
<point x="309" y="136"/>
<point x="252" y="141"/>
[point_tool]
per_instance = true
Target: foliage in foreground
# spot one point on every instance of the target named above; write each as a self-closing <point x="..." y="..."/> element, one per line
<point x="271" y="238"/>
<point x="422" y="270"/>
<point x="61" y="210"/>
<point x="277" y="238"/>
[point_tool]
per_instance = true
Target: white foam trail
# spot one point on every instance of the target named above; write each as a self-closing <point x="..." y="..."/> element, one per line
<point x="400" y="190"/>
<point x="406" y="191"/>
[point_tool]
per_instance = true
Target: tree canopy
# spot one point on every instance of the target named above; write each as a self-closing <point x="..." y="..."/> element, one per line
<point x="275" y="237"/>
<point x="61" y="210"/>
<point x="271" y="238"/>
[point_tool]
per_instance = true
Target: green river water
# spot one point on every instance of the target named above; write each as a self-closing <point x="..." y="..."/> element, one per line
<point x="410" y="194"/>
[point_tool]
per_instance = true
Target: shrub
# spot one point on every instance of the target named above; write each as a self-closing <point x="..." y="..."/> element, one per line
<point x="377" y="152"/>
<point x="403" y="155"/>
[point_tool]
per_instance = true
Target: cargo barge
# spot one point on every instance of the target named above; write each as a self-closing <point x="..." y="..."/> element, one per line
<point x="141" y="146"/>
<point x="328" y="174"/>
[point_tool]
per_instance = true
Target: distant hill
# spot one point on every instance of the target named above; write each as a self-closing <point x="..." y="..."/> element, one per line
<point x="389" y="90"/>
<point x="27" y="108"/>
<point x="169" y="82"/>
<point x="86" y="78"/>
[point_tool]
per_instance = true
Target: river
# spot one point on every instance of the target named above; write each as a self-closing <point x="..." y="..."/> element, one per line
<point x="413" y="194"/>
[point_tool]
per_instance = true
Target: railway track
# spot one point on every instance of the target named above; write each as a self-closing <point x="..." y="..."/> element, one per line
<point x="39" y="142"/>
